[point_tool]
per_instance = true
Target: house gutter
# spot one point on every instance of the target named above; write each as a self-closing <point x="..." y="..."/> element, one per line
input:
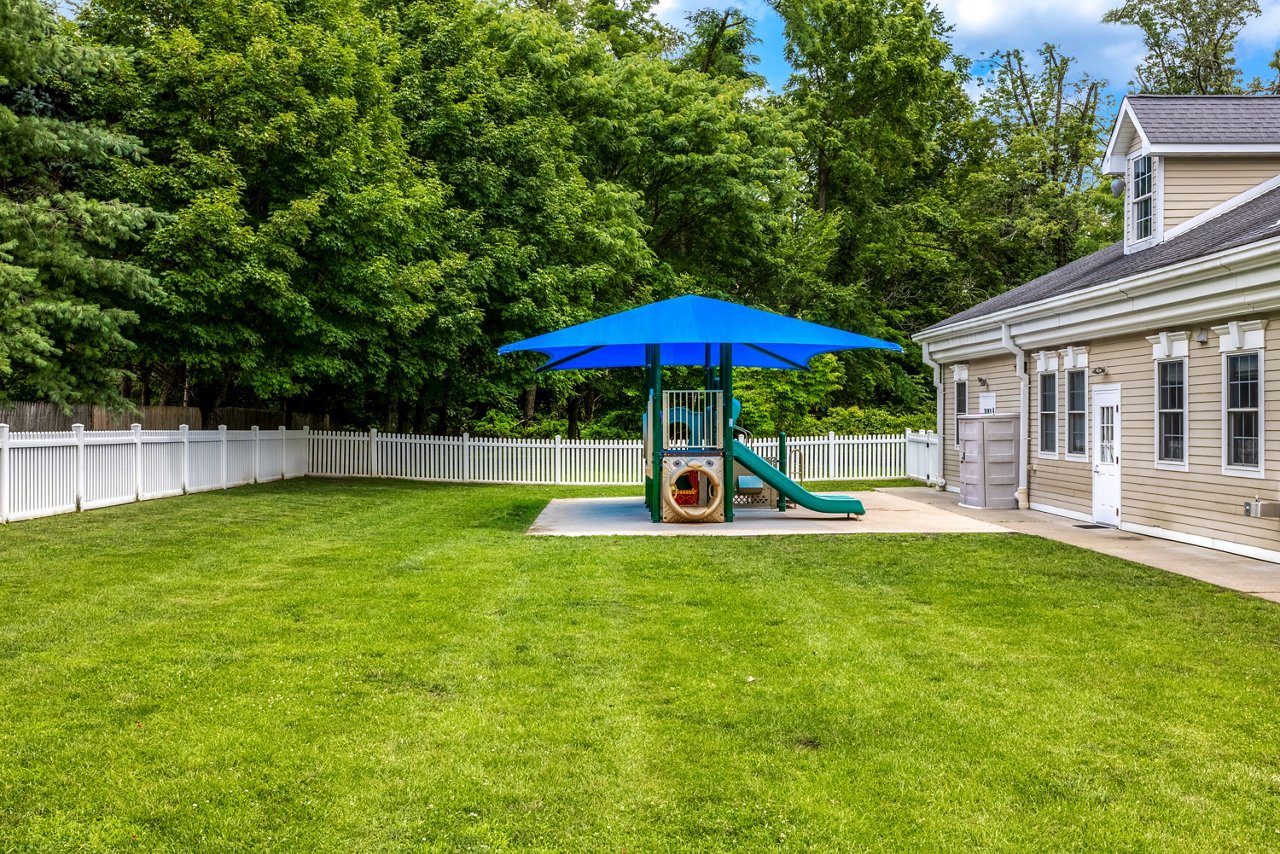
<point x="1024" y="405"/>
<point x="938" y="479"/>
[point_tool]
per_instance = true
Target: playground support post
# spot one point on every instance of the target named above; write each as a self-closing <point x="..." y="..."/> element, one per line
<point x="782" y="467"/>
<point x="726" y="434"/>
<point x="653" y="357"/>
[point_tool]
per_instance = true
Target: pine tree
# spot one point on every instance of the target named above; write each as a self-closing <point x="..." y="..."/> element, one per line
<point x="66" y="283"/>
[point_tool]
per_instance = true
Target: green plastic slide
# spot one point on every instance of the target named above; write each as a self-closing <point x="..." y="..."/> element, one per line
<point x="750" y="460"/>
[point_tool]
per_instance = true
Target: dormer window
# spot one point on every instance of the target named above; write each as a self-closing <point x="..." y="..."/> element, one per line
<point x="1142" y="198"/>
<point x="1143" y="203"/>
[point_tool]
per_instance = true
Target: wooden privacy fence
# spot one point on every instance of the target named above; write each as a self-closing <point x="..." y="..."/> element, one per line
<point x="46" y="417"/>
<point x="43" y="473"/>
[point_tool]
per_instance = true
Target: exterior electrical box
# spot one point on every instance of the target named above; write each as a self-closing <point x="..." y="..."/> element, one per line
<point x="989" y="461"/>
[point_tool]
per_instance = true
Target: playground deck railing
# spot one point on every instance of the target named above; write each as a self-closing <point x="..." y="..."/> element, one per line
<point x="47" y="473"/>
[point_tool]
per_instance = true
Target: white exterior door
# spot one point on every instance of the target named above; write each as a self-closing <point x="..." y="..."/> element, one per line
<point x="1106" y="454"/>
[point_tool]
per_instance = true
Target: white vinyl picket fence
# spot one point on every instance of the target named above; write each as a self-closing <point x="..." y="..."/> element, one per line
<point x="924" y="456"/>
<point x="42" y="474"/>
<point x="469" y="459"/>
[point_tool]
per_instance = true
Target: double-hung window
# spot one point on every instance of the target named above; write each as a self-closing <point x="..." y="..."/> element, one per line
<point x="1076" y="419"/>
<point x="1243" y="410"/>
<point x="1171" y="411"/>
<point x="1142" y="198"/>
<point x="1049" y="414"/>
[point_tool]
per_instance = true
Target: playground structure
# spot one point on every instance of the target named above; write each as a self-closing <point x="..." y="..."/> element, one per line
<point x="695" y="464"/>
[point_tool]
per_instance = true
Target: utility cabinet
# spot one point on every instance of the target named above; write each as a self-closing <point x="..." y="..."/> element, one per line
<point x="989" y="461"/>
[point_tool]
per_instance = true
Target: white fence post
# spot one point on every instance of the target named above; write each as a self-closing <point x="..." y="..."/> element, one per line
<point x="78" y="431"/>
<point x="186" y="459"/>
<point x="284" y="453"/>
<point x="306" y="437"/>
<point x="373" y="452"/>
<point x="466" y="457"/>
<point x="137" y="461"/>
<point x="831" y="455"/>
<point x="559" y="467"/>
<point x="4" y="472"/>
<point x="256" y="454"/>
<point x="222" y="444"/>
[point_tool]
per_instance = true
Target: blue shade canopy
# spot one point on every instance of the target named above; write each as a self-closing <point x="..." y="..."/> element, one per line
<point x="687" y="329"/>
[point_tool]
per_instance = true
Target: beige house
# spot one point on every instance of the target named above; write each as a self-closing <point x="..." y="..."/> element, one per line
<point x="1140" y="375"/>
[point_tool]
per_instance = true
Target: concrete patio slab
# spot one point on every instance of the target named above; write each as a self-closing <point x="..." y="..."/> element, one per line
<point x="1247" y="575"/>
<point x="886" y="514"/>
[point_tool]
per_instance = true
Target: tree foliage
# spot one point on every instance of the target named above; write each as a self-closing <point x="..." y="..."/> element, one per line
<point x="357" y="203"/>
<point x="1190" y="43"/>
<point x="1029" y="196"/>
<point x="69" y="287"/>
<point x="719" y="43"/>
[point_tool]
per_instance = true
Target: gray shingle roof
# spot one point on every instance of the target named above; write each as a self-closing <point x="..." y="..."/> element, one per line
<point x="1208" y="119"/>
<point x="1252" y="221"/>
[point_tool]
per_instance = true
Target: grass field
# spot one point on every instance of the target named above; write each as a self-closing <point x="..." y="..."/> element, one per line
<point x="364" y="666"/>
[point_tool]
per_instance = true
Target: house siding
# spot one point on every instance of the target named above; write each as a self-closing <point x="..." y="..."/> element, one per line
<point x="1193" y="185"/>
<point x="1064" y="482"/>
<point x="1002" y="376"/>
<point x="1202" y="500"/>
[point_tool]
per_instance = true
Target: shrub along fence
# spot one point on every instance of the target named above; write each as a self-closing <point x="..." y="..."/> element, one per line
<point x="44" y="473"/>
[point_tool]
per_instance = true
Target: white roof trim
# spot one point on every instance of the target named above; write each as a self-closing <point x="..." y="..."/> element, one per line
<point x="1113" y="162"/>
<point x="1208" y="148"/>
<point x="1169" y="345"/>
<point x="1218" y="210"/>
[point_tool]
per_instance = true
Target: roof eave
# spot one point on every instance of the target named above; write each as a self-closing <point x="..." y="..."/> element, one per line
<point x="1114" y="160"/>
<point x="1121" y="305"/>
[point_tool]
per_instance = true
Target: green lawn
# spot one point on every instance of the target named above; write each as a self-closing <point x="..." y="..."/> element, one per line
<point x="351" y="666"/>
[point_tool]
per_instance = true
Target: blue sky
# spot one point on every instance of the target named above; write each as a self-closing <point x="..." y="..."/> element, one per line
<point x="981" y="26"/>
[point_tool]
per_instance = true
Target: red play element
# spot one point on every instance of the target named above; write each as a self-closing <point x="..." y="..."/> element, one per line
<point x="685" y="489"/>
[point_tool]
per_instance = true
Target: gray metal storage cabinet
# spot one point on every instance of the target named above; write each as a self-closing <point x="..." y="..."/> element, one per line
<point x="989" y="461"/>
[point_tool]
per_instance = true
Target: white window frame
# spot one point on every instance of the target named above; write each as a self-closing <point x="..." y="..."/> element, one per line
<point x="1242" y="338"/>
<point x="1238" y="470"/>
<point x="1132" y="242"/>
<point x="1170" y="347"/>
<point x="962" y="404"/>
<point x="1040" y="413"/>
<point x="1083" y="455"/>
<point x="959" y="374"/>
<point x="1172" y="465"/>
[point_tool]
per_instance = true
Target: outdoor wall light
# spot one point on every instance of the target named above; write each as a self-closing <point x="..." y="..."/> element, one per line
<point x="982" y="381"/>
<point x="1202" y="336"/>
<point x="1098" y="371"/>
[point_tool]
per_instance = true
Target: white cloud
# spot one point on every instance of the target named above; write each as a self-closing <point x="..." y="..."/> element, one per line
<point x="980" y="27"/>
<point x="1075" y="26"/>
<point x="1264" y="30"/>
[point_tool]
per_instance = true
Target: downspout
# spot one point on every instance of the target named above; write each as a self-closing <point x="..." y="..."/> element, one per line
<point x="939" y="480"/>
<point x="1024" y="405"/>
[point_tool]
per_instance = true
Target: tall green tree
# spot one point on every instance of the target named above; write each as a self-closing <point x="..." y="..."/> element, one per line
<point x="68" y="289"/>
<point x="878" y="95"/>
<point x="718" y="42"/>
<point x="1028" y="196"/>
<point x="587" y="182"/>
<point x="306" y="251"/>
<point x="1190" y="43"/>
